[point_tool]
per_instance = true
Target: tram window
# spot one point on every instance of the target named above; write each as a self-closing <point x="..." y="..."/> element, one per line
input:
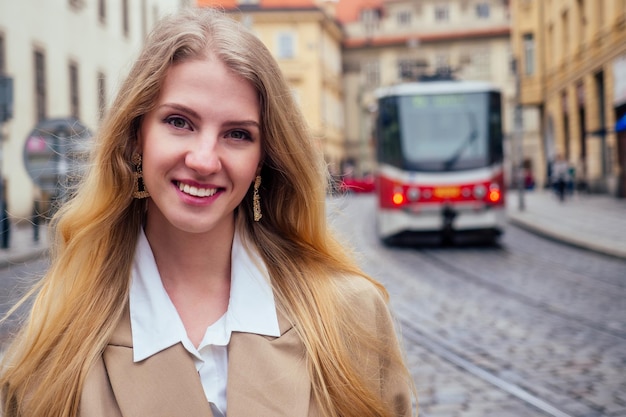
<point x="389" y="146"/>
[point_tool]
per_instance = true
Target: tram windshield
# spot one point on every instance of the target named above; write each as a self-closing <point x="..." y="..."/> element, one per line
<point x="440" y="132"/>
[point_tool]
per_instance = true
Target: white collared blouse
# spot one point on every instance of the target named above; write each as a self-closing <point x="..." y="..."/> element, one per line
<point x="156" y="325"/>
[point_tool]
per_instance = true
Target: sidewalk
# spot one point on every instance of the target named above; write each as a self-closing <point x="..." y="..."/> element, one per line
<point x="594" y="222"/>
<point x="22" y="245"/>
<point x="591" y="221"/>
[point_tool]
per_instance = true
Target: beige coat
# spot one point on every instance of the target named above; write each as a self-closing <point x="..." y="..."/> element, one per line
<point x="267" y="376"/>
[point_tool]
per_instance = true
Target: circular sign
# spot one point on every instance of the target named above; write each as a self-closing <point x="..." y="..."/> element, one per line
<point x="55" y="151"/>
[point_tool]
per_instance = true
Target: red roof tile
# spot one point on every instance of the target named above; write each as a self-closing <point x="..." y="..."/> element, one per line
<point x="349" y="10"/>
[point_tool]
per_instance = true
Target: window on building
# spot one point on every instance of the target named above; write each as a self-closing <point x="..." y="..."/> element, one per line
<point x="442" y="12"/>
<point x="102" y="11"/>
<point x="3" y="62"/>
<point x="77" y="4"/>
<point x="370" y="18"/>
<point x="143" y="19"/>
<point x="125" y="18"/>
<point x="155" y="14"/>
<point x="102" y="97"/>
<point x="371" y="73"/>
<point x="405" y="69"/>
<point x="40" y="85"/>
<point x="74" y="91"/>
<point x="582" y="21"/>
<point x="442" y="63"/>
<point x="482" y="10"/>
<point x="512" y="60"/>
<point x="403" y="18"/>
<point x="285" y="42"/>
<point x="481" y="64"/>
<point x="410" y="68"/>
<point x="529" y="53"/>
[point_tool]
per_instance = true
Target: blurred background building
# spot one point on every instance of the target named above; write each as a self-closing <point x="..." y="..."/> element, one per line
<point x="66" y="59"/>
<point x="572" y="56"/>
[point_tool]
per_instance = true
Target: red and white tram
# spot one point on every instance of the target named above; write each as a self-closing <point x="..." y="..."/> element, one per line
<point x="440" y="160"/>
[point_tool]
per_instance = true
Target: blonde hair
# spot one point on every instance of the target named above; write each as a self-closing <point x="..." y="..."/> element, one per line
<point x="81" y="298"/>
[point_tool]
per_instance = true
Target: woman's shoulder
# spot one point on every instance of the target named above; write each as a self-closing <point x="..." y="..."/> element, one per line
<point x="358" y="285"/>
<point x="361" y="293"/>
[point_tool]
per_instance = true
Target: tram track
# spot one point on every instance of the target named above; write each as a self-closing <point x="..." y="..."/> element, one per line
<point x="439" y="347"/>
<point x="434" y="337"/>
<point x="414" y="333"/>
<point x="461" y="273"/>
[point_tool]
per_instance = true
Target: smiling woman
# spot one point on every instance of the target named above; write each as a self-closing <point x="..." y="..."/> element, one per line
<point x="193" y="272"/>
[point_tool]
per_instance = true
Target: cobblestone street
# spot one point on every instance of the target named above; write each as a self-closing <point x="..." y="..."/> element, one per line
<point x="529" y="328"/>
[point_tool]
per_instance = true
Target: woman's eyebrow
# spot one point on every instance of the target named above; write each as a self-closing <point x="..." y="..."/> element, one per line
<point x="193" y="113"/>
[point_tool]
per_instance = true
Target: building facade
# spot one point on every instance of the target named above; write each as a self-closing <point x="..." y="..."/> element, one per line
<point x="305" y="39"/>
<point x="66" y="59"/>
<point x="572" y="56"/>
<point x="391" y="41"/>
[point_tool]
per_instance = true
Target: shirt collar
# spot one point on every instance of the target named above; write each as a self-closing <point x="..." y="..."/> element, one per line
<point x="156" y="325"/>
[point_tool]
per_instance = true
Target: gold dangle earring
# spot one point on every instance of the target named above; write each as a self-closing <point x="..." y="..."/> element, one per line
<point x="139" y="190"/>
<point x="256" y="199"/>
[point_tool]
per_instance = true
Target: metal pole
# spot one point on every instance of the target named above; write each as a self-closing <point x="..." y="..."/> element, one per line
<point x="518" y="138"/>
<point x="5" y="227"/>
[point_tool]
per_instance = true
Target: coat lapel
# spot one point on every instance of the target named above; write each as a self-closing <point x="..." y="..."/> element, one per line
<point x="267" y="376"/>
<point x="164" y="385"/>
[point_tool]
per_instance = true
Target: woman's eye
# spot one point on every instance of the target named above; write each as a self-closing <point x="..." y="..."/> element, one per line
<point x="240" y="135"/>
<point x="177" y="122"/>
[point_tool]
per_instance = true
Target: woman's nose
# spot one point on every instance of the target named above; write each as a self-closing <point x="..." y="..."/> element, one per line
<point x="204" y="157"/>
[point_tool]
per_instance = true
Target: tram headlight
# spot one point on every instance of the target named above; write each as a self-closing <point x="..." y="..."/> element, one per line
<point x="413" y="194"/>
<point x="479" y="191"/>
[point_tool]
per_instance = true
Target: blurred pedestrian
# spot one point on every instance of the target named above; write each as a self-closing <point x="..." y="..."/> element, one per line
<point x="193" y="272"/>
<point x="529" y="180"/>
<point x="560" y="176"/>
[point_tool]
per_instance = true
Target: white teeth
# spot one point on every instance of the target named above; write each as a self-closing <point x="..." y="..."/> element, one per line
<point x="195" y="191"/>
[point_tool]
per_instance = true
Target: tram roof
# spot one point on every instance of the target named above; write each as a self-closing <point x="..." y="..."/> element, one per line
<point x="436" y="87"/>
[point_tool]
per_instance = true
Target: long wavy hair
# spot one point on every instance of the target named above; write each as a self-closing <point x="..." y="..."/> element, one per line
<point x="82" y="296"/>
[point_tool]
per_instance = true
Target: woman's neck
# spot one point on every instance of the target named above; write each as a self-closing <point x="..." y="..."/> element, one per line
<point x="195" y="272"/>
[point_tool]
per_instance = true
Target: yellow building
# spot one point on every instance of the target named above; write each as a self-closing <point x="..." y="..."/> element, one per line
<point x="572" y="67"/>
<point x="305" y="39"/>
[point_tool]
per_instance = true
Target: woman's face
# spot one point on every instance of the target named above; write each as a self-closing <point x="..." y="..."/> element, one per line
<point x="201" y="147"/>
